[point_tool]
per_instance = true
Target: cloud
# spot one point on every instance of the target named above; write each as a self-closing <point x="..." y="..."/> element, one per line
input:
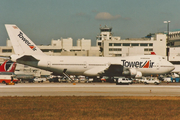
<point x="106" y="16"/>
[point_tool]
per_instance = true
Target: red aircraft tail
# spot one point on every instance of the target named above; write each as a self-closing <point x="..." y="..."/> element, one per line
<point x="8" y="66"/>
<point x="153" y="53"/>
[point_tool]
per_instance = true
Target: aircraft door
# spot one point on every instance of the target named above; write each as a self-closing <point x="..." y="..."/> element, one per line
<point x="158" y="66"/>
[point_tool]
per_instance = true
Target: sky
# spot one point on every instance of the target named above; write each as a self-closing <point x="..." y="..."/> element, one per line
<point x="44" y="20"/>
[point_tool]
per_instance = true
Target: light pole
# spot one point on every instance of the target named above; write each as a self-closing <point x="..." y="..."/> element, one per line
<point x="168" y="43"/>
<point x="167" y="30"/>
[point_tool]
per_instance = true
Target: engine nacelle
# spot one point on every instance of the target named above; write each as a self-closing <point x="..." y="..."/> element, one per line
<point x="138" y="75"/>
<point x="133" y="71"/>
<point x="129" y="72"/>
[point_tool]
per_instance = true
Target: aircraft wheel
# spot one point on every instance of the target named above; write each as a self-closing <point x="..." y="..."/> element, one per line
<point x="3" y="82"/>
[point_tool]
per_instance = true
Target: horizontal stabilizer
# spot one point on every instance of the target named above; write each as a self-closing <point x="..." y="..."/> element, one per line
<point x="27" y="58"/>
<point x="5" y="57"/>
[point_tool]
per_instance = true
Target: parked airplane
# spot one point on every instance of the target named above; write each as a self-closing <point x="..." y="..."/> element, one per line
<point x="8" y="67"/>
<point x="26" y="52"/>
<point x="7" y="72"/>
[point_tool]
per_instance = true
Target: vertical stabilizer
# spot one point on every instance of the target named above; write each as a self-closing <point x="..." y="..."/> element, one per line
<point x="153" y="53"/>
<point x="21" y="43"/>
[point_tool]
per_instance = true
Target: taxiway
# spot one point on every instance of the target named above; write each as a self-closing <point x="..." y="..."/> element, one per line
<point x="87" y="89"/>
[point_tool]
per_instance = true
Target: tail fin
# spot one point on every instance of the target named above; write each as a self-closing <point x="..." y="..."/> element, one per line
<point x="8" y="66"/>
<point x="21" y="43"/>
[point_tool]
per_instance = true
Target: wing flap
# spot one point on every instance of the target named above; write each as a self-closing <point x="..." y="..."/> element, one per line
<point x="112" y="70"/>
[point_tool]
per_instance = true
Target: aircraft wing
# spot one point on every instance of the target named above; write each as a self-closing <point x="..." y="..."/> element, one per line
<point x="120" y="70"/>
<point x="112" y="70"/>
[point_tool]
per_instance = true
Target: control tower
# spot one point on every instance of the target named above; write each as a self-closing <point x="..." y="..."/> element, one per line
<point x="105" y="34"/>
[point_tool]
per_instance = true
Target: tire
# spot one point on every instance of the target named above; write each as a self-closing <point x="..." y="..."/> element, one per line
<point x="3" y="82"/>
<point x="156" y="83"/>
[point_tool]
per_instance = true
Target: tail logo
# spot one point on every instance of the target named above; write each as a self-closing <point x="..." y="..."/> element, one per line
<point x="146" y="64"/>
<point x="9" y="66"/>
<point x="27" y="42"/>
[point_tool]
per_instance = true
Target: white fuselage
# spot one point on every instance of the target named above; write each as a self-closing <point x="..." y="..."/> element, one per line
<point x="92" y="66"/>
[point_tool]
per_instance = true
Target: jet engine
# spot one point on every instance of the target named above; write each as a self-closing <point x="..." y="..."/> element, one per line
<point x="132" y="72"/>
<point x="138" y="75"/>
<point x="129" y="72"/>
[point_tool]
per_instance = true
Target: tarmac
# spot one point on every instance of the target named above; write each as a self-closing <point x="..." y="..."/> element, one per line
<point x="88" y="89"/>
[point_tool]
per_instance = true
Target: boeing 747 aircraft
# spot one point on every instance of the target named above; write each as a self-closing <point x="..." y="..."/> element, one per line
<point x="26" y="52"/>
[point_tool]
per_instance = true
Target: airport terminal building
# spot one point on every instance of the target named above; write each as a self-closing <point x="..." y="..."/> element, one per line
<point x="115" y="46"/>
